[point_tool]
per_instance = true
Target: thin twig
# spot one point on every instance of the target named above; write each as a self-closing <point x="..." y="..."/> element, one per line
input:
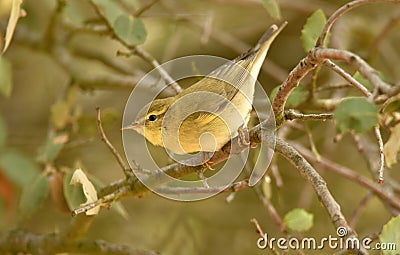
<point x="334" y="87"/>
<point x="93" y="54"/>
<point x="352" y="59"/>
<point x="144" y="8"/>
<point x="352" y="176"/>
<point x="152" y="61"/>
<point x="348" y="77"/>
<point x="271" y="210"/>
<point x="313" y="82"/>
<point x="383" y="33"/>
<point x="124" y="167"/>
<point x="263" y="235"/>
<point x="312" y="143"/>
<point x="259" y="230"/>
<point x="293" y="115"/>
<point x="357" y="211"/>
<point x="339" y="12"/>
<point x="378" y="136"/>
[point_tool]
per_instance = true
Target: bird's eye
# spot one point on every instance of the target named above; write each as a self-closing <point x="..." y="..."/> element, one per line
<point x="152" y="117"/>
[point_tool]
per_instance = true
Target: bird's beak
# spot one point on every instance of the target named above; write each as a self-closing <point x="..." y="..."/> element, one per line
<point x="133" y="126"/>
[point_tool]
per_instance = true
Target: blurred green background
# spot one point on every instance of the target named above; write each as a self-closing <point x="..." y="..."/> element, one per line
<point x="212" y="226"/>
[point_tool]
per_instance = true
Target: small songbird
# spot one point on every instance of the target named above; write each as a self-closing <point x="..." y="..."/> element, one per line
<point x="208" y="114"/>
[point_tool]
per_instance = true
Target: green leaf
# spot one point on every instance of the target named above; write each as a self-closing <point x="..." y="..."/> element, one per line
<point x="312" y="29"/>
<point x="34" y="194"/>
<point x="110" y="9"/>
<point x="5" y="77"/>
<point x="298" y="96"/>
<point x="391" y="235"/>
<point x="3" y="133"/>
<point x="299" y="220"/>
<point x="18" y="168"/>
<point x="356" y="114"/>
<point x="130" y="29"/>
<point x="272" y="8"/>
<point x="50" y="150"/>
<point x="358" y="77"/>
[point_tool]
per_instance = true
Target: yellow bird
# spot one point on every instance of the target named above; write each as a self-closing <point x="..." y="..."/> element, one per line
<point x="208" y="114"/>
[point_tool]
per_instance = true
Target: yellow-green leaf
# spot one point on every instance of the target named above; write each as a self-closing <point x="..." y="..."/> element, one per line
<point x="272" y="8"/>
<point x="312" y="29"/>
<point x="392" y="147"/>
<point x="390" y="236"/>
<point x="299" y="220"/>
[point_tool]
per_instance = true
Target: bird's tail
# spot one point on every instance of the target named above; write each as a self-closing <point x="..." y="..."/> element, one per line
<point x="253" y="59"/>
